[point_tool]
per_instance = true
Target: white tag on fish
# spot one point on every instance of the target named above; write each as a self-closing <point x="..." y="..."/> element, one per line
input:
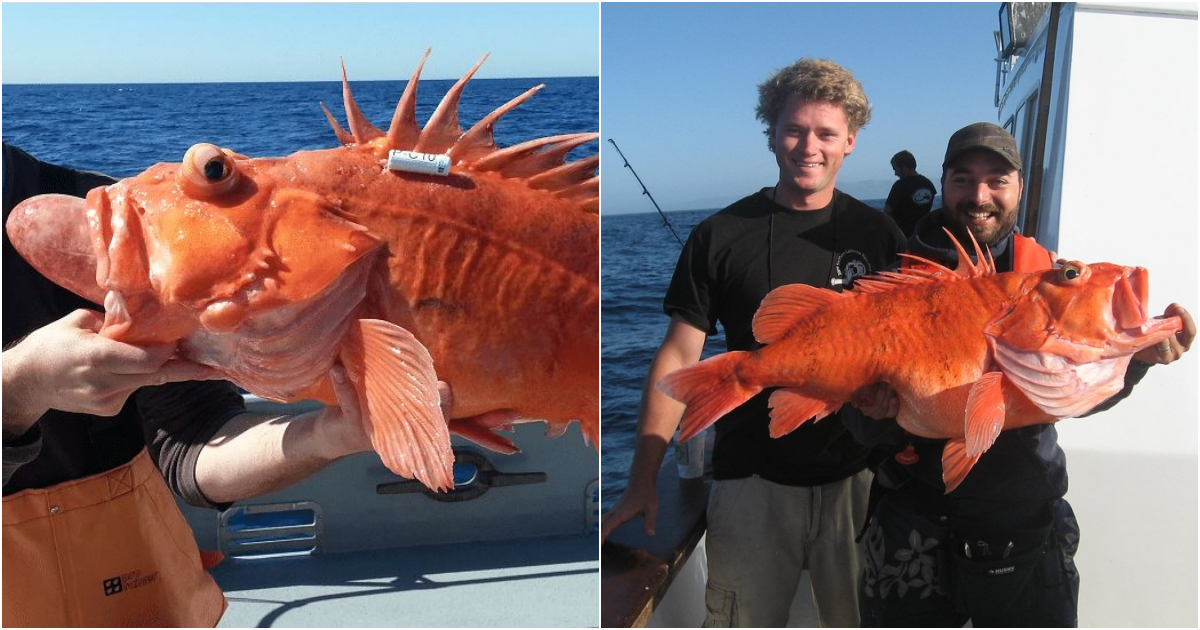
<point x="423" y="163"/>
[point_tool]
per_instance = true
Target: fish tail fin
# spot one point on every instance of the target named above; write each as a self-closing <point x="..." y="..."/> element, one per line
<point x="398" y="397"/>
<point x="710" y="389"/>
<point x="956" y="463"/>
<point x="790" y="408"/>
<point x="484" y="428"/>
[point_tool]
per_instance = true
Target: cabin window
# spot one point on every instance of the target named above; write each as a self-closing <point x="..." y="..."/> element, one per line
<point x="1022" y="126"/>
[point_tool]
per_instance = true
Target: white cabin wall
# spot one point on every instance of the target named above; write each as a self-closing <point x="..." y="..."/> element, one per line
<point x="1129" y="196"/>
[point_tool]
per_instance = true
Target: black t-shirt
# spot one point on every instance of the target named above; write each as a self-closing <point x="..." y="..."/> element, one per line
<point x="175" y="420"/>
<point x="731" y="261"/>
<point x="910" y="199"/>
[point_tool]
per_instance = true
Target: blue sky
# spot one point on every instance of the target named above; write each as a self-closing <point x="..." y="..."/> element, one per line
<point x="678" y="90"/>
<point x="217" y="41"/>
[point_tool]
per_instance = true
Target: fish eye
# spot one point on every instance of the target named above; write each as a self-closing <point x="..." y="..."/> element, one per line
<point x="216" y="169"/>
<point x="207" y="171"/>
<point x="1071" y="271"/>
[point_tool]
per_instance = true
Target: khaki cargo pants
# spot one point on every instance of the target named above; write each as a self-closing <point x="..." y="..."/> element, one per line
<point x="762" y="536"/>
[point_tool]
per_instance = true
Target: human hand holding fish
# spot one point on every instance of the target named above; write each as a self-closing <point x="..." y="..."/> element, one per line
<point x="67" y="365"/>
<point x="343" y="429"/>
<point x="1172" y="348"/>
<point x="256" y="454"/>
<point x="878" y="401"/>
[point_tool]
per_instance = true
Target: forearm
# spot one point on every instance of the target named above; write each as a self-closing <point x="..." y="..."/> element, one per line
<point x="657" y="420"/>
<point x="21" y="407"/>
<point x="255" y="454"/>
<point x="658" y="416"/>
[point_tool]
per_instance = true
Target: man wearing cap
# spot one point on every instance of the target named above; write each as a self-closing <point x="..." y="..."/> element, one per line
<point x="999" y="549"/>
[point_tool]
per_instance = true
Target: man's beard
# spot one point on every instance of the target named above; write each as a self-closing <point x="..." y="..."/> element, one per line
<point x="984" y="235"/>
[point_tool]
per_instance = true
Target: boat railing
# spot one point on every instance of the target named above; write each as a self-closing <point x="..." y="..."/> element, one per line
<point x="635" y="569"/>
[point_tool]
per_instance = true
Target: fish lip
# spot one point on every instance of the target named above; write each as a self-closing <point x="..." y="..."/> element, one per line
<point x="1130" y="295"/>
<point x="1135" y="328"/>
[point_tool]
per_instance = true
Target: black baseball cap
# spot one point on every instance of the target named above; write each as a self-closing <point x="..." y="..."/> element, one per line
<point x="983" y="135"/>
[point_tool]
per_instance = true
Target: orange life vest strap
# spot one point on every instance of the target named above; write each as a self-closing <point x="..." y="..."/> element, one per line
<point x="1029" y="256"/>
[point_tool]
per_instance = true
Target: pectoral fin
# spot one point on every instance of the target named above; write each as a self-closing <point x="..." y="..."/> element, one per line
<point x="984" y="414"/>
<point x="956" y="463"/>
<point x="397" y="388"/>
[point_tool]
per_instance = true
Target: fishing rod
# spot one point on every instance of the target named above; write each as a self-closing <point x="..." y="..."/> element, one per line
<point x="646" y="191"/>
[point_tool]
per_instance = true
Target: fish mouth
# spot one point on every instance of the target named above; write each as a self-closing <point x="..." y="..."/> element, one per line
<point x="1136" y="329"/>
<point x="1130" y="295"/>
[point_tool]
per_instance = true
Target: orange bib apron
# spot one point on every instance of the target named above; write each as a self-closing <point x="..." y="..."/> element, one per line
<point x="107" y="550"/>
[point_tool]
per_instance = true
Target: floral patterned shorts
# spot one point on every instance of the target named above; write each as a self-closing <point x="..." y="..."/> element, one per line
<point x="917" y="571"/>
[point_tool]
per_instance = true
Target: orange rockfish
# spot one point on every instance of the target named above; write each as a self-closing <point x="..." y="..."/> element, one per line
<point x="970" y="352"/>
<point x="274" y="270"/>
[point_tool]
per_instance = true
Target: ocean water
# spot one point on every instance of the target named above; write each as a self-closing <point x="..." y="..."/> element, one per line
<point x="121" y="129"/>
<point x="638" y="256"/>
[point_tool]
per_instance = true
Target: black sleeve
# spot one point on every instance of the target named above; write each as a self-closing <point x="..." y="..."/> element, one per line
<point x="178" y="420"/>
<point x="26" y="176"/>
<point x="692" y="292"/>
<point x="886" y="434"/>
<point x="21" y="450"/>
<point x="893" y="198"/>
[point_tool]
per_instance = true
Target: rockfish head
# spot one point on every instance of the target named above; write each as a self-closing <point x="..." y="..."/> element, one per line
<point x="1066" y="340"/>
<point x="205" y="245"/>
<point x="1084" y="313"/>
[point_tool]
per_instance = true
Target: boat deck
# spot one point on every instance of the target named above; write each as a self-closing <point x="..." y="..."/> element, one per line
<point x="516" y="544"/>
<point x="540" y="582"/>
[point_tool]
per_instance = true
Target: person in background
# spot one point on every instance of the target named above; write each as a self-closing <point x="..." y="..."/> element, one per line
<point x="92" y="536"/>
<point x="911" y="197"/>
<point x="998" y="550"/>
<point x="777" y="506"/>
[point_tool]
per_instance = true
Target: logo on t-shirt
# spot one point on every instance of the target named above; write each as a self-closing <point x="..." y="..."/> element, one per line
<point x="923" y="197"/>
<point x="851" y="264"/>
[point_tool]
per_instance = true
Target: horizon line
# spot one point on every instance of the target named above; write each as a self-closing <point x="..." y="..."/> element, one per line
<point x="423" y="79"/>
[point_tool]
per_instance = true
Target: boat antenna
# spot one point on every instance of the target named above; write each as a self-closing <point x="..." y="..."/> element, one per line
<point x="646" y="191"/>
